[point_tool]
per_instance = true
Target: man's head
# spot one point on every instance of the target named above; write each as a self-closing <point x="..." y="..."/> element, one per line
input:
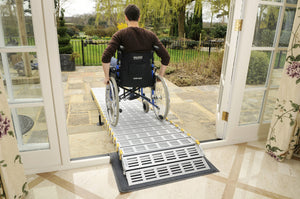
<point x="132" y="12"/>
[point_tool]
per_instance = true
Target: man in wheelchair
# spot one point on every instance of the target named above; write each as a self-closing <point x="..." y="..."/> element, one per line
<point x="134" y="69"/>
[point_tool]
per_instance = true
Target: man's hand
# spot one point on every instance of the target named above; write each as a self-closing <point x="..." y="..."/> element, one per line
<point x="162" y="70"/>
<point x="106" y="80"/>
<point x="106" y="72"/>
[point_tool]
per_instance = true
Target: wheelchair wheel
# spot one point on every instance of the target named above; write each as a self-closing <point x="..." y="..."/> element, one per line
<point x="161" y="98"/>
<point x="112" y="101"/>
<point x="145" y="106"/>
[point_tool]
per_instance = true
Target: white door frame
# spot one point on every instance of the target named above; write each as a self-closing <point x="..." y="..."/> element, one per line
<point x="236" y="133"/>
<point x="36" y="157"/>
<point x="228" y="67"/>
<point x="51" y="43"/>
<point x="234" y="84"/>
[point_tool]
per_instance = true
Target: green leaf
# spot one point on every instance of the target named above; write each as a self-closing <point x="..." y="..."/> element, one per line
<point x="298" y="81"/>
<point x="275" y="149"/>
<point x="1" y="161"/>
<point x="292" y="123"/>
<point x="24" y="189"/>
<point x="296" y="45"/>
<point x="291" y="57"/>
<point x="298" y="132"/>
<point x="297" y="58"/>
<point x="11" y="133"/>
<point x="18" y="157"/>
<point x="4" y="165"/>
<point x="296" y="107"/>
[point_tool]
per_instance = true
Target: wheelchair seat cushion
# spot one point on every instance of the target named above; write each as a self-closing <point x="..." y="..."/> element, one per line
<point x="136" y="70"/>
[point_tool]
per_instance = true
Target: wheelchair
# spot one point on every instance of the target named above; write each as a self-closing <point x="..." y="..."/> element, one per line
<point x="135" y="76"/>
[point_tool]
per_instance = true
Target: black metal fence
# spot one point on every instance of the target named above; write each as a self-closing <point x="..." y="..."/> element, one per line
<point x="91" y="51"/>
<point x="16" y="41"/>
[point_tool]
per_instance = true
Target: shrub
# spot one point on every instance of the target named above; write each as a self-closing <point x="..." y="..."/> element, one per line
<point x="64" y="39"/>
<point x="284" y="38"/>
<point x="258" y="68"/>
<point x="67" y="49"/>
<point x="166" y="41"/>
<point x="219" y="31"/>
<point x="100" y="32"/>
<point x="191" y="44"/>
<point x="72" y="31"/>
<point x="170" y="70"/>
<point x="110" y="31"/>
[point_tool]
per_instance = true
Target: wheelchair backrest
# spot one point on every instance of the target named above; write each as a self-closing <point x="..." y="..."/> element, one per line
<point x="136" y="69"/>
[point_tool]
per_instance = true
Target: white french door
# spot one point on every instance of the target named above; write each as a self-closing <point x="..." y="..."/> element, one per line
<point x="24" y="66"/>
<point x="254" y="68"/>
<point x="226" y="78"/>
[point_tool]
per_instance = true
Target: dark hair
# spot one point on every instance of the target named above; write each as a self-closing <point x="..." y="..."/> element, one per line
<point x="132" y="12"/>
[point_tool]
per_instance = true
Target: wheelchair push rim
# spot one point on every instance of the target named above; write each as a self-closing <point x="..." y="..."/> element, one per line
<point x="160" y="97"/>
<point x="112" y="101"/>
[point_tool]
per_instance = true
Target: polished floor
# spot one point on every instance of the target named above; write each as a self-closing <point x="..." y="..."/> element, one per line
<point x="246" y="171"/>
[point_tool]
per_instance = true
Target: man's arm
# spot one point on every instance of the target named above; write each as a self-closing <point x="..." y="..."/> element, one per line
<point x="108" y="54"/>
<point x="163" y="54"/>
<point x="106" y="72"/>
<point x="162" y="70"/>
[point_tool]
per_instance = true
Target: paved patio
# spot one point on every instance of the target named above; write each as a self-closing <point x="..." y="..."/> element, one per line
<point x="192" y="108"/>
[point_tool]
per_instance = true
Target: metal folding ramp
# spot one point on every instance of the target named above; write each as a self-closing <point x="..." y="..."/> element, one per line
<point x="150" y="149"/>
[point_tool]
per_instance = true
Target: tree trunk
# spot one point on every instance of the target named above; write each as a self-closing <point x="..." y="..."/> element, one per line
<point x="23" y="37"/>
<point x="181" y="20"/>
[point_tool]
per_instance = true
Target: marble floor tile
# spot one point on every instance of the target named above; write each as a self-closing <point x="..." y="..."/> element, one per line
<point x="49" y="190"/>
<point x="246" y="171"/>
<point x="260" y="170"/>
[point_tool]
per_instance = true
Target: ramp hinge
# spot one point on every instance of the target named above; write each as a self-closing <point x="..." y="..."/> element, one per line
<point x="238" y="24"/>
<point x="225" y="116"/>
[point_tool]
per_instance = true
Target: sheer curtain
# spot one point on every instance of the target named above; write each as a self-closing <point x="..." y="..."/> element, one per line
<point x="283" y="138"/>
<point x="12" y="178"/>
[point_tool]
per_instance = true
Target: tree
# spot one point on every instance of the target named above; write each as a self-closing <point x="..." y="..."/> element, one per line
<point x="194" y="23"/>
<point x="164" y="9"/>
<point x="110" y="10"/>
<point x="220" y="6"/>
<point x="58" y="6"/>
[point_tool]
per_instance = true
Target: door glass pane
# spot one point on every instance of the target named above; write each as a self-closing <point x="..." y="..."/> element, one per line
<point x="225" y="59"/>
<point x="16" y="21"/>
<point x="287" y="26"/>
<point x="21" y="75"/>
<point x="230" y="22"/>
<point x="258" y="68"/>
<point x="266" y="22"/>
<point x="292" y="1"/>
<point x="278" y="68"/>
<point x="220" y="96"/>
<point x="273" y="0"/>
<point x="270" y="105"/>
<point x="30" y="124"/>
<point x="251" y="106"/>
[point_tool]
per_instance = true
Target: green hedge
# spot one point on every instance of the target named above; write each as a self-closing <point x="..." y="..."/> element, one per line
<point x="258" y="68"/>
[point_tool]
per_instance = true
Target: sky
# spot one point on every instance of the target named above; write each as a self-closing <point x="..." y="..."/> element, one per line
<point x="78" y="7"/>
